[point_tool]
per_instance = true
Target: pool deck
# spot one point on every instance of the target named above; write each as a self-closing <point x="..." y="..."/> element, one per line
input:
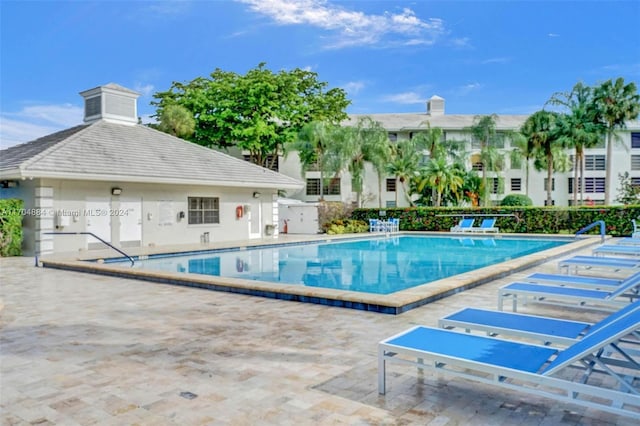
<point x="81" y="349"/>
<point x="395" y="303"/>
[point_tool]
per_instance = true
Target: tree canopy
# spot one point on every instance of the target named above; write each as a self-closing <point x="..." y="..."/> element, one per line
<point x="258" y="112"/>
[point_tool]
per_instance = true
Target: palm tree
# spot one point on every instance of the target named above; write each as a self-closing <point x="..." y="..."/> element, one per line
<point x="429" y="139"/>
<point x="521" y="149"/>
<point x="579" y="128"/>
<point x="484" y="130"/>
<point x="177" y="121"/>
<point x="616" y="103"/>
<point x="311" y="144"/>
<point x="403" y="165"/>
<point x="366" y="142"/>
<point x="440" y="176"/>
<point x="542" y="134"/>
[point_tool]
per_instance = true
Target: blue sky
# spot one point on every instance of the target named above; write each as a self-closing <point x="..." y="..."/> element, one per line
<point x="505" y="57"/>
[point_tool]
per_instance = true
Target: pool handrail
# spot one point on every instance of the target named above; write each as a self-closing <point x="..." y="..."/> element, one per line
<point x="589" y="227"/>
<point x="97" y="238"/>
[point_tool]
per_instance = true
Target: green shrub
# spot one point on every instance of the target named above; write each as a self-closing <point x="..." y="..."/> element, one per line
<point x="516" y="200"/>
<point x="346" y="226"/>
<point x="526" y="219"/>
<point x="11" y="227"/>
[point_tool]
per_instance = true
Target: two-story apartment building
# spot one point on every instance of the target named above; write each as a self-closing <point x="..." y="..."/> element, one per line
<point x="510" y="180"/>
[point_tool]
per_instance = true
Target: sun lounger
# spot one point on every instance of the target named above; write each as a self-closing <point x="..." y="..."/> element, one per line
<point x="580" y="280"/>
<point x="545" y="329"/>
<point x="616" y="249"/>
<point x="487" y="225"/>
<point x="627" y="241"/>
<point x="563" y="295"/>
<point x="615" y="263"/>
<point x="533" y="369"/>
<point x="464" y="225"/>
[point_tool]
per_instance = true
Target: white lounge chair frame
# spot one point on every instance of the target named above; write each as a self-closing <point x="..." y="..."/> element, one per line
<point x="583" y="355"/>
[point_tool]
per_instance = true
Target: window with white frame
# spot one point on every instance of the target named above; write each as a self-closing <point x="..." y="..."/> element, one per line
<point x="635" y="162"/>
<point x="391" y="184"/>
<point x="635" y="139"/>
<point x="203" y="210"/>
<point x="594" y="162"/>
<point x="553" y="184"/>
<point x="591" y="185"/>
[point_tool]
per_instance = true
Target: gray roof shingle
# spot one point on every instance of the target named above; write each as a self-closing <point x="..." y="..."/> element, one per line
<point x="104" y="150"/>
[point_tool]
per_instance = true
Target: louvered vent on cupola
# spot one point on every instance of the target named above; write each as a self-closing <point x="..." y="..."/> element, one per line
<point x="435" y="106"/>
<point x="110" y="102"/>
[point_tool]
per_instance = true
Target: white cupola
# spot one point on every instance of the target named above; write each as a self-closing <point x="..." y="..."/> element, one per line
<point x="110" y="102"/>
<point x="435" y="105"/>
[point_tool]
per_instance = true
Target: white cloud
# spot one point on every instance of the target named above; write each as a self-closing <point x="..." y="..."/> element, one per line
<point x="499" y="60"/>
<point x="352" y="28"/>
<point x="406" y="98"/>
<point x="144" y="89"/>
<point x="35" y="121"/>
<point x="467" y="88"/>
<point x="353" y="87"/>
<point x="553" y="35"/>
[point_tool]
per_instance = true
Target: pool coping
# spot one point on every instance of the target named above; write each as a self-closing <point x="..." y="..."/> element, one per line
<point x="394" y="303"/>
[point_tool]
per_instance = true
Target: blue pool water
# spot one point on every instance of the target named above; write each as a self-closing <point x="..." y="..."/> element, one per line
<point x="378" y="265"/>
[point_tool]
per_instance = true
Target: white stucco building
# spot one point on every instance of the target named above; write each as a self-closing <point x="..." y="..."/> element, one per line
<point x="133" y="186"/>
<point x="405" y="125"/>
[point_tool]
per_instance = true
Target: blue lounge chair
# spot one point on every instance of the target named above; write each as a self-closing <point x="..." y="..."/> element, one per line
<point x="465" y="225"/>
<point x="627" y="241"/>
<point x="616" y="249"/>
<point x="533" y="369"/>
<point x="562" y="295"/>
<point x="487" y="225"/>
<point x="616" y="263"/>
<point x="544" y="329"/>
<point x="580" y="280"/>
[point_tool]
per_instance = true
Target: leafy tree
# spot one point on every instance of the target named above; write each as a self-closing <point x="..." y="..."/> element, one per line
<point x="628" y="193"/>
<point x="542" y="134"/>
<point x="616" y="103"/>
<point x="579" y="128"/>
<point x="442" y="178"/>
<point x="177" y="121"/>
<point x="258" y="112"/>
<point x="521" y="149"/>
<point x="484" y="131"/>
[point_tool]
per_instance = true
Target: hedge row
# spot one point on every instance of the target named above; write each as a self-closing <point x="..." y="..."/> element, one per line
<point x="535" y="220"/>
<point x="11" y="227"/>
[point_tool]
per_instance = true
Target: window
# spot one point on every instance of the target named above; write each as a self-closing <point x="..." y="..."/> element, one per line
<point x="516" y="184"/>
<point x="516" y="163"/>
<point x="203" y="210"/>
<point x="635" y="181"/>
<point x="635" y="162"/>
<point x="546" y="202"/>
<point x="635" y="139"/>
<point x="495" y="186"/>
<point x="330" y="188"/>
<point x="553" y="184"/>
<point x="391" y="185"/>
<point x="393" y="137"/>
<point x="591" y="185"/>
<point x="594" y="162"/>
<point x="390" y="204"/>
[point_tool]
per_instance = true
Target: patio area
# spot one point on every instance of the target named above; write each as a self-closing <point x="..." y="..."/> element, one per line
<point x="86" y="349"/>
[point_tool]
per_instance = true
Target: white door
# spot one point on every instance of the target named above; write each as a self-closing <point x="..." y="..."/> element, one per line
<point x="255" y="219"/>
<point x="130" y="215"/>
<point x="98" y="218"/>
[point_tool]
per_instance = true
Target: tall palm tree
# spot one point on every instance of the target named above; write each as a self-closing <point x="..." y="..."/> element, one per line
<point x="484" y="130"/>
<point x="579" y="128"/>
<point x="366" y="142"/>
<point x="311" y="144"/>
<point x="429" y="139"/>
<point x="403" y="165"/>
<point x="440" y="176"/>
<point x="616" y="103"/>
<point x="542" y="134"/>
<point x="521" y="150"/>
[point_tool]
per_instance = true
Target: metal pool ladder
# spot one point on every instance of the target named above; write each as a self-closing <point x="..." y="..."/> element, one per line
<point x="97" y="238"/>
<point x="589" y="227"/>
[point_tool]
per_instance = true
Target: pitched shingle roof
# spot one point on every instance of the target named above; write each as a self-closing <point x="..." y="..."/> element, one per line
<point x="117" y="152"/>
<point x="417" y="121"/>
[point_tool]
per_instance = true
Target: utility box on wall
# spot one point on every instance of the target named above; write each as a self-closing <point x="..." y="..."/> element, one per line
<point x="298" y="217"/>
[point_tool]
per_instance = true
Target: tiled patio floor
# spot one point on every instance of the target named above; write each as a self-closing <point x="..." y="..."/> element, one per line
<point x="86" y="349"/>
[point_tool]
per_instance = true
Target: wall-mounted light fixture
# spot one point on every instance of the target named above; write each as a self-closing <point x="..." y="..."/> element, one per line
<point x="181" y="215"/>
<point x="116" y="191"/>
<point x="256" y="194"/>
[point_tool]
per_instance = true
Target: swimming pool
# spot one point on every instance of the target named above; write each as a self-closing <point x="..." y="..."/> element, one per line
<point x="381" y="265"/>
<point x="250" y="281"/>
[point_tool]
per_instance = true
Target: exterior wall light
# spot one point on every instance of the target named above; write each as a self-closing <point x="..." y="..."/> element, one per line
<point x="256" y="194"/>
<point x="116" y="191"/>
